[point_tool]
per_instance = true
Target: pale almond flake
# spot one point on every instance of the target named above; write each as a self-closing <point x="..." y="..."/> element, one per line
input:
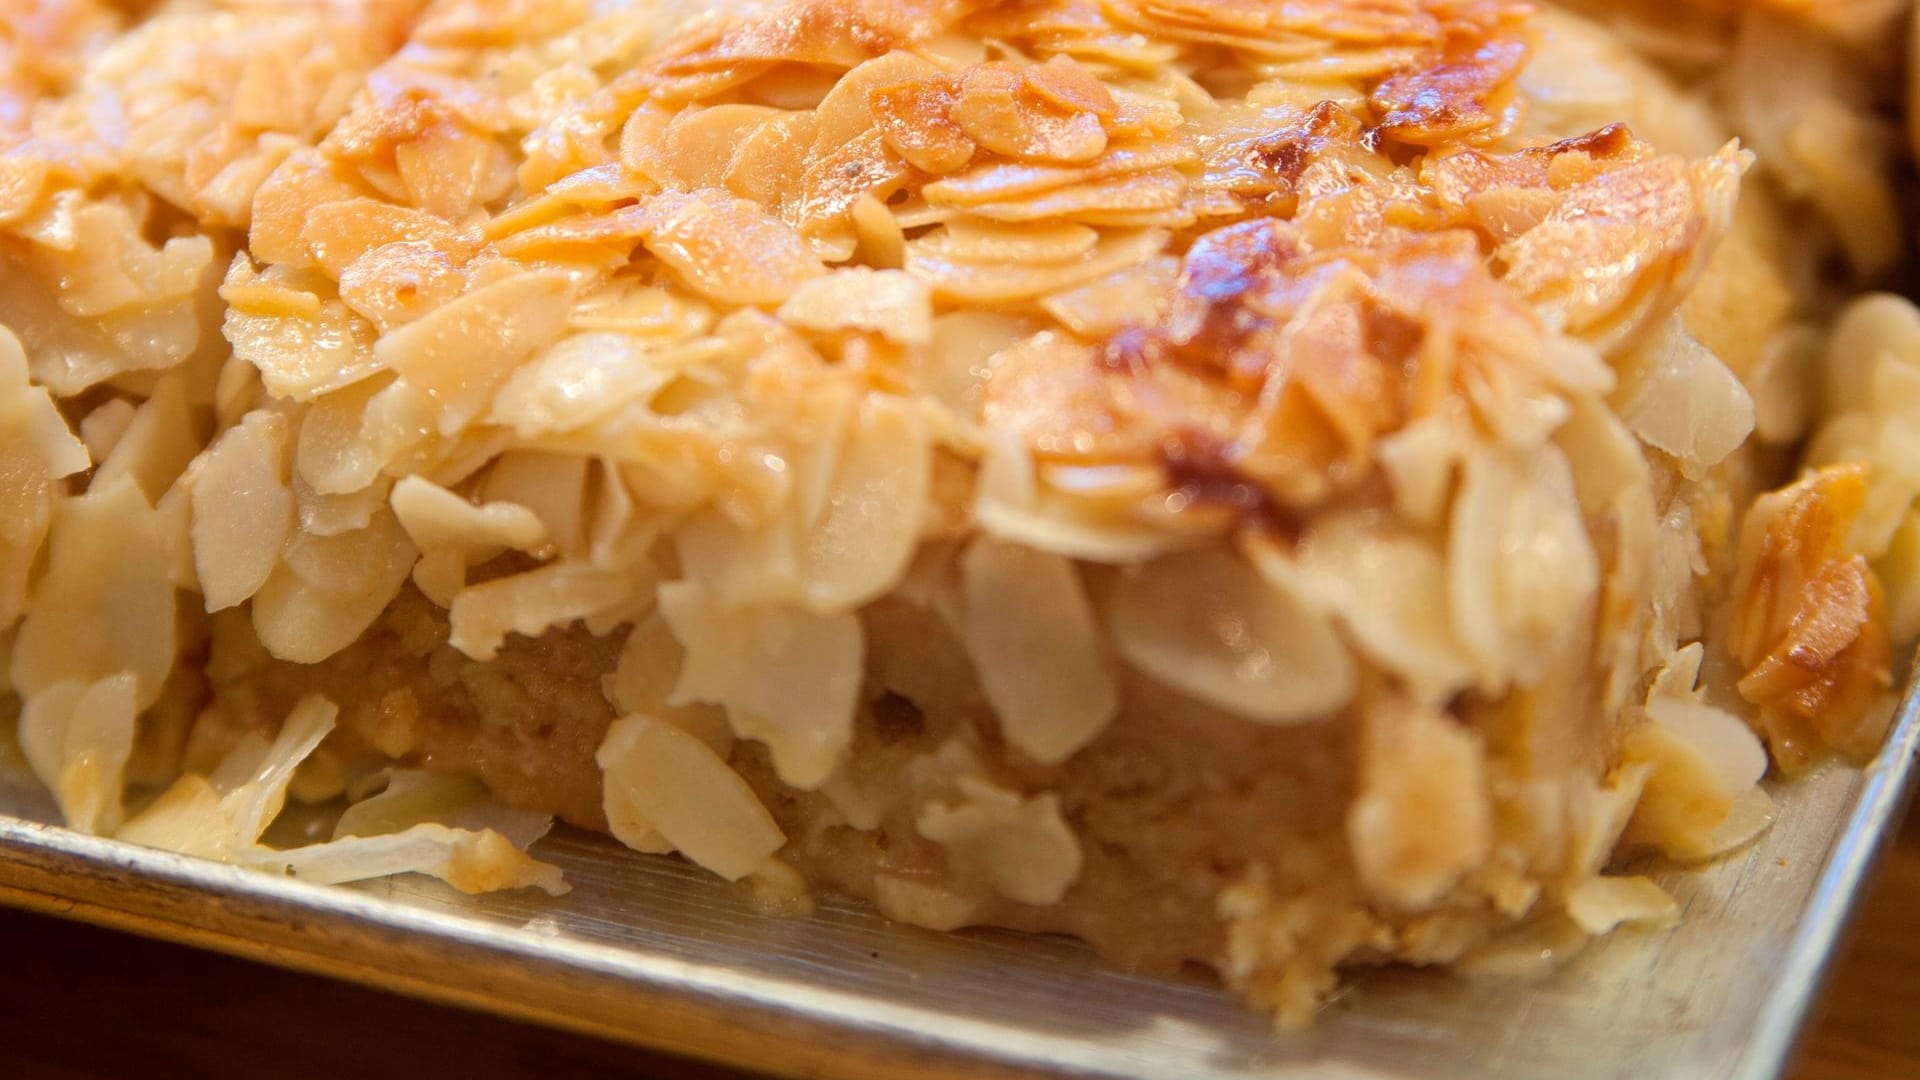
<point x="1036" y="642"/>
<point x="106" y="604"/>
<point x="459" y="354"/>
<point x="788" y="678"/>
<point x="675" y="785"/>
<point x="1205" y="623"/>
<point x="242" y="509"/>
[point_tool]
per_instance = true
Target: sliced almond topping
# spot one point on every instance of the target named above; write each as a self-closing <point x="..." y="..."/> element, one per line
<point x="1037" y="646"/>
<point x="787" y="678"/>
<point x="532" y="603"/>
<point x="106" y="604"/>
<point x="1423" y="816"/>
<point x="242" y="509"/>
<point x="1021" y="843"/>
<point x="460" y="353"/>
<point x="1203" y="622"/>
<point x="678" y="787"/>
<point x="890" y="303"/>
<point x="1603" y="903"/>
<point x="78" y="738"/>
<point x="160" y="440"/>
<point x="875" y="506"/>
<point x="328" y="589"/>
<point x="1389" y="587"/>
<point x="439" y="520"/>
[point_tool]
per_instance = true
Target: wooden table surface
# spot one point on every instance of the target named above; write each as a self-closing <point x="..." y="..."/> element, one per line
<point x="77" y="1003"/>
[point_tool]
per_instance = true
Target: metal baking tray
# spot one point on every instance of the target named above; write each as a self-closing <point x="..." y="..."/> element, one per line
<point x="647" y="950"/>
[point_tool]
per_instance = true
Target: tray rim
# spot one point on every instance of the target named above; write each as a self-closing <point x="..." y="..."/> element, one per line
<point x="1886" y="790"/>
<point x="712" y="1014"/>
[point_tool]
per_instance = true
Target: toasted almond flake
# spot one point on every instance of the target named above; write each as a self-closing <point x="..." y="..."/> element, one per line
<point x="459" y="354"/>
<point x="158" y="443"/>
<point x="473" y="862"/>
<point x="1389" y="587"/>
<point x="32" y="415"/>
<point x="1420" y="462"/>
<point x="106" y="604"/>
<point x="327" y="590"/>
<point x="334" y="453"/>
<point x="78" y="738"/>
<point x="682" y="789"/>
<point x="416" y="797"/>
<point x="628" y="823"/>
<point x="891" y="303"/>
<point x="1687" y="403"/>
<point x="787" y="678"/>
<point x="700" y="143"/>
<point x="1423" y="816"/>
<point x="1808" y="629"/>
<point x="580" y="380"/>
<point x="235" y="390"/>
<point x="645" y="676"/>
<point x="331" y="515"/>
<point x="185" y="818"/>
<point x="440" y="575"/>
<point x="727" y="249"/>
<point x="1726" y="746"/>
<point x="1601" y="904"/>
<point x="254" y="789"/>
<point x="1134" y="296"/>
<point x="242" y="509"/>
<point x="738" y="565"/>
<point x="1599" y="815"/>
<point x="1528" y="950"/>
<point x="1701" y="760"/>
<point x="969" y="240"/>
<point x="987" y="282"/>
<point x="304" y="346"/>
<point x="870" y="521"/>
<point x="552" y="486"/>
<point x="1203" y="622"/>
<point x="529" y="604"/>
<point x="36" y="450"/>
<point x="439" y="520"/>
<point x="1010" y="504"/>
<point x="1036" y="644"/>
<point x="1021" y="843"/>
<point x="102" y="428"/>
<point x="1521" y="570"/>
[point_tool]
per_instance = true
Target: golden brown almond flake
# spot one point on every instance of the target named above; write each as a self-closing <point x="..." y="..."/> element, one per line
<point x="1046" y="112"/>
<point x="837" y="34"/>
<point x="1809" y="624"/>
<point x="1270" y="157"/>
<point x="1313" y="356"/>
<point x="1457" y="95"/>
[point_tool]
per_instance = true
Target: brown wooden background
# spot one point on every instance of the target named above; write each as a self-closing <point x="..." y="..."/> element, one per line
<point x="77" y="1002"/>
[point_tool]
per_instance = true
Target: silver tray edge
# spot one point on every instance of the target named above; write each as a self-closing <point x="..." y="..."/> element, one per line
<point x="1876" y="815"/>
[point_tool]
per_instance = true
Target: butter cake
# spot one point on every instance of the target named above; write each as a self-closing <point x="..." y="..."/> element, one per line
<point x="1279" y="486"/>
